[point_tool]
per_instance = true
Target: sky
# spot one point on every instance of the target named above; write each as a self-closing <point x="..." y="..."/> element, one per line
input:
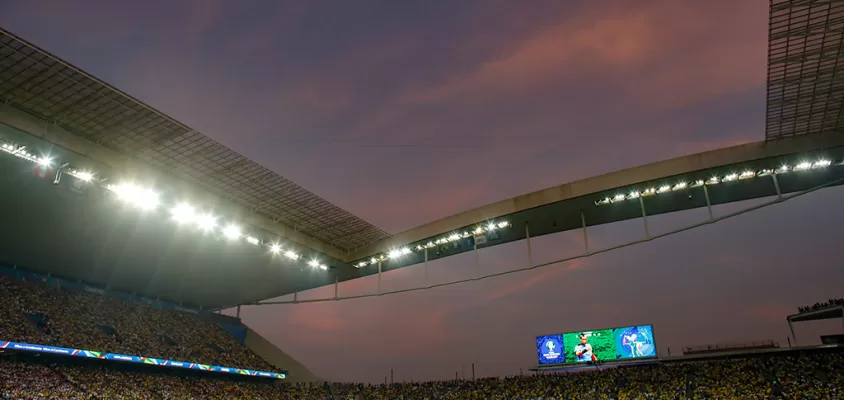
<point x="407" y="112"/>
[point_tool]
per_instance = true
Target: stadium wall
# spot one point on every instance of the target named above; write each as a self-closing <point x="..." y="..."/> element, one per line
<point x="296" y="371"/>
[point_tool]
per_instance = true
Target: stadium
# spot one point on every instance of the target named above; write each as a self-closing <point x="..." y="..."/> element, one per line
<point x="123" y="226"/>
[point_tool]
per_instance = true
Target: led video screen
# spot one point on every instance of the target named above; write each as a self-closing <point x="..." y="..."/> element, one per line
<point x="629" y="342"/>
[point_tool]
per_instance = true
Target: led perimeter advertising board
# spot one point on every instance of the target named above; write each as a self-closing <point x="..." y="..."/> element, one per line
<point x="631" y="342"/>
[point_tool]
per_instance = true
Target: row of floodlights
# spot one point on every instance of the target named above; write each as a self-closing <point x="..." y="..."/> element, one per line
<point x="403" y="251"/>
<point x="148" y="200"/>
<point x="802" y="166"/>
<point x="184" y="214"/>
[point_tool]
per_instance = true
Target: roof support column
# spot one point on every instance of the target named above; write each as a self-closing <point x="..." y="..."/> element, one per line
<point x="530" y="253"/>
<point x="475" y="251"/>
<point x="426" y="267"/>
<point x="777" y="185"/>
<point x="791" y="327"/>
<point x="336" y="286"/>
<point x="585" y="236"/>
<point x="379" y="276"/>
<point x="708" y="203"/>
<point x="644" y="217"/>
<point x="237" y="314"/>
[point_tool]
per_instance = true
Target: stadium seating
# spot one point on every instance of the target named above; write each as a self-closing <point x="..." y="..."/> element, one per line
<point x="797" y="375"/>
<point x="34" y="313"/>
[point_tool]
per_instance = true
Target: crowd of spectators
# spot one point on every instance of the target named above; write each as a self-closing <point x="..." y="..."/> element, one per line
<point x="818" y="306"/>
<point x="35" y="313"/>
<point x="795" y="376"/>
<point x="32" y="312"/>
<point x="815" y="376"/>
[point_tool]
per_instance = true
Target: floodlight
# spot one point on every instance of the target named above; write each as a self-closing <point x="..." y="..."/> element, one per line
<point x="275" y="248"/>
<point x="503" y="224"/>
<point x="291" y="255"/>
<point x="206" y="222"/>
<point x="394" y="253"/>
<point x="490" y="227"/>
<point x="137" y="196"/>
<point x="313" y="263"/>
<point x="45" y="161"/>
<point x="783" y="169"/>
<point x="618" y="197"/>
<point x="712" y="181"/>
<point x="454" y="237"/>
<point x="405" y="250"/>
<point x="253" y="240"/>
<point x="183" y="213"/>
<point x="634" y="194"/>
<point x="479" y="230"/>
<point x="232" y="231"/>
<point x="663" y="189"/>
<point x="361" y="264"/>
<point x="373" y="260"/>
<point x="730" y="177"/>
<point x="85" y="176"/>
<point x="747" y="174"/>
<point x="680" y="186"/>
<point x="803" y="166"/>
<point x="821" y="164"/>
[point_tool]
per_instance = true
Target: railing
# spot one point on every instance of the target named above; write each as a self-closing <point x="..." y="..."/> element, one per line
<point x="719" y="347"/>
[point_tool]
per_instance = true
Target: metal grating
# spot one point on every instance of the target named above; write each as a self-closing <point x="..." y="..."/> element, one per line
<point x="805" y="81"/>
<point x="39" y="83"/>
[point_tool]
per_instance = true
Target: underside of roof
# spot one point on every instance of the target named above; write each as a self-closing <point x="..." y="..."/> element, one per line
<point x="805" y="81"/>
<point x="43" y="85"/>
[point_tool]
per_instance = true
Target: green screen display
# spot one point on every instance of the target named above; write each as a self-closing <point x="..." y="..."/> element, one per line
<point x="591" y="346"/>
<point x="631" y="342"/>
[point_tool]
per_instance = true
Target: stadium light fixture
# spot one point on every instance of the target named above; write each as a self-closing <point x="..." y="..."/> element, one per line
<point x="747" y="175"/>
<point x="803" y="166"/>
<point x="821" y="164"/>
<point x="206" y="222"/>
<point x="142" y="198"/>
<point x="275" y="248"/>
<point x="291" y="255"/>
<point x="85" y="176"/>
<point x="313" y="263"/>
<point x="45" y="161"/>
<point x="253" y="240"/>
<point x="183" y="213"/>
<point x="232" y="231"/>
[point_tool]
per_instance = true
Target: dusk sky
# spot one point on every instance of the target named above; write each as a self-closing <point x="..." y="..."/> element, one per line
<point x="403" y="112"/>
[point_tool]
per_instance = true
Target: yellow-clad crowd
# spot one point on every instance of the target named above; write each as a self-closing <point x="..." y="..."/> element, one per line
<point x="32" y="312"/>
<point x="35" y="313"/>
<point x="812" y="376"/>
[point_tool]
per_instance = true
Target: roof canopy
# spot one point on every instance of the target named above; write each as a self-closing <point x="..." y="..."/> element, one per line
<point x="40" y="83"/>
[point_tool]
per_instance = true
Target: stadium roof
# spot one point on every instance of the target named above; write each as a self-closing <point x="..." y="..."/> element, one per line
<point x="40" y="83"/>
<point x="819" y="314"/>
<point x="805" y="85"/>
<point x="804" y="132"/>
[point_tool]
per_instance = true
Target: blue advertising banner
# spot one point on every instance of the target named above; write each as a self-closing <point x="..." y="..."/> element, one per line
<point x="37" y="348"/>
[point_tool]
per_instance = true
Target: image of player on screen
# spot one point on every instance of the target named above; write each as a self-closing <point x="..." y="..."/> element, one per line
<point x="635" y="342"/>
<point x="583" y="351"/>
